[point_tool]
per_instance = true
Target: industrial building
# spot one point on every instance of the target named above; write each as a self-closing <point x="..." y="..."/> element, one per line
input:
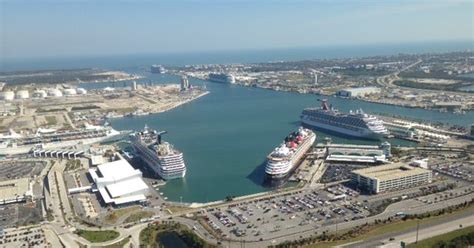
<point x="389" y="177"/>
<point x="118" y="183"/>
<point x="358" y="153"/>
<point x="358" y="92"/>
<point x="15" y="190"/>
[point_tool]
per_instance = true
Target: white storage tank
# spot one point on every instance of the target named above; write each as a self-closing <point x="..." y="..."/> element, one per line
<point x="7" y="95"/>
<point x="39" y="94"/>
<point x="22" y="94"/>
<point x="55" y="93"/>
<point x="81" y="91"/>
<point x="69" y="92"/>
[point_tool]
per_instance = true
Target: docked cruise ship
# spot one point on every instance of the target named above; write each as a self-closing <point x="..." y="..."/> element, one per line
<point x="288" y="155"/>
<point x="161" y="157"/>
<point x="222" y="78"/>
<point x="157" y="69"/>
<point x="354" y="124"/>
<point x="14" y="143"/>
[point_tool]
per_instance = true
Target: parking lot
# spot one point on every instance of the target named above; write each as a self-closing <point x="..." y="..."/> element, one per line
<point x="457" y="170"/>
<point x="339" y="171"/>
<point x="25" y="237"/>
<point x="282" y="214"/>
<point x="18" y="169"/>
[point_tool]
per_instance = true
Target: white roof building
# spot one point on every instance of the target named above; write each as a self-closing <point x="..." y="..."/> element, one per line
<point x="119" y="183"/>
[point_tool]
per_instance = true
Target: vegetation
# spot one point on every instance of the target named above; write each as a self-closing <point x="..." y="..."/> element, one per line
<point x="119" y="244"/>
<point x="134" y="217"/>
<point x="149" y="235"/>
<point x="428" y="86"/>
<point x="459" y="238"/>
<point x="435" y="74"/>
<point x="73" y="164"/>
<point x="88" y="107"/>
<point x="98" y="236"/>
<point x="51" y="120"/>
<point x="114" y="215"/>
<point x="176" y="208"/>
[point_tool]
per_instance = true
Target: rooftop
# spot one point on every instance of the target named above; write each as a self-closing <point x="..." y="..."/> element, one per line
<point x="390" y="171"/>
<point x="117" y="170"/>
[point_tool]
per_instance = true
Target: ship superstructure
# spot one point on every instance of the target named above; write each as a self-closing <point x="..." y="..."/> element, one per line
<point x="222" y="78"/>
<point x="51" y="139"/>
<point x="159" y="69"/>
<point x="354" y="124"/>
<point x="286" y="157"/>
<point x="161" y="157"/>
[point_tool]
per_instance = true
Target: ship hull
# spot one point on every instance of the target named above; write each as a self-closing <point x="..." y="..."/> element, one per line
<point x="363" y="134"/>
<point x="293" y="163"/>
<point x="152" y="162"/>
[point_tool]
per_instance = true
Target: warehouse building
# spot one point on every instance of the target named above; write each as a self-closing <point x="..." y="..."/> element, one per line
<point x="118" y="183"/>
<point x="389" y="177"/>
<point x="358" y="92"/>
<point x="358" y="153"/>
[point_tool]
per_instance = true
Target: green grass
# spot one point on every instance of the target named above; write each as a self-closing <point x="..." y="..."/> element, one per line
<point x="98" y="236"/>
<point x="119" y="244"/>
<point x="114" y="215"/>
<point x="431" y="242"/>
<point x="389" y="228"/>
<point x="51" y="120"/>
<point x="138" y="216"/>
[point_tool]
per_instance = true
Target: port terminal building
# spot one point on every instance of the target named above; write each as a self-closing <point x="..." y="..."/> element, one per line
<point x="358" y="92"/>
<point x="358" y="153"/>
<point x="389" y="177"/>
<point x="118" y="183"/>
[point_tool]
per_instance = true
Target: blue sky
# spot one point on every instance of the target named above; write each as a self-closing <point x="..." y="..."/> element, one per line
<point x="79" y="27"/>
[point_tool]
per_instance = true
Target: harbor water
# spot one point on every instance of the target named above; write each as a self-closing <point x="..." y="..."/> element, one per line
<point x="226" y="135"/>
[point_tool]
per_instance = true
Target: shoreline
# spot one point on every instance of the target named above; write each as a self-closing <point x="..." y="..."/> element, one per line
<point x="166" y="108"/>
<point x="405" y="105"/>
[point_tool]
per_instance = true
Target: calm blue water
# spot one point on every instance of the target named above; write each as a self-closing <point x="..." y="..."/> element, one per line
<point x="226" y="135"/>
<point x="247" y="56"/>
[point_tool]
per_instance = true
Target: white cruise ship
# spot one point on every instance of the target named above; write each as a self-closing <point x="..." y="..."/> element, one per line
<point x="222" y="78"/>
<point x="158" y="69"/>
<point x="51" y="139"/>
<point x="354" y="124"/>
<point x="161" y="157"/>
<point x="287" y="156"/>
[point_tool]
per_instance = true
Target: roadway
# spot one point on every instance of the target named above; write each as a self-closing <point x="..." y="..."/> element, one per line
<point x="425" y="231"/>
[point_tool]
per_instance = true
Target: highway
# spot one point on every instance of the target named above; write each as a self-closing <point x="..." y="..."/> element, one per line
<point x="434" y="228"/>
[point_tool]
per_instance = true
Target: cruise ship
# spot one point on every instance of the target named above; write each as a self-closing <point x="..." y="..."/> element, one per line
<point x="286" y="157"/>
<point x="221" y="78"/>
<point x="353" y="124"/>
<point x="14" y="143"/>
<point x="161" y="157"/>
<point x="157" y="69"/>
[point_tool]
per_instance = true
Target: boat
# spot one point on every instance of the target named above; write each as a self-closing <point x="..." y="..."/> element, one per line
<point x="14" y="143"/>
<point x="158" y="69"/>
<point x="357" y="124"/>
<point x="221" y="78"/>
<point x="286" y="157"/>
<point x="161" y="157"/>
